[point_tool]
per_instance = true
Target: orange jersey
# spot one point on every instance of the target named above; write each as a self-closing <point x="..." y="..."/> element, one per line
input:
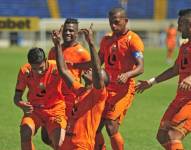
<point x="118" y="56"/>
<point x="74" y="54"/>
<point x="86" y="117"/>
<point x="43" y="90"/>
<point x="184" y="63"/>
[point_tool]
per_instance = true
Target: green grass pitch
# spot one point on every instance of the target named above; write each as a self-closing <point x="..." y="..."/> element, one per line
<point x="139" y="127"/>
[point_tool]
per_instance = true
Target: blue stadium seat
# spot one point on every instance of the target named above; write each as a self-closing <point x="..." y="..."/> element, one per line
<point x="86" y="9"/>
<point x="24" y="8"/>
<point x="175" y="6"/>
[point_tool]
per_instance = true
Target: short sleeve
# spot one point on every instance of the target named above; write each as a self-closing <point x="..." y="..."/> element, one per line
<point x="21" y="79"/>
<point x="136" y="43"/>
<point x="51" y="54"/>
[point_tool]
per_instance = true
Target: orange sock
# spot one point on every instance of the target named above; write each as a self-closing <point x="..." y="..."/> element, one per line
<point x="117" y="142"/>
<point x="27" y="146"/>
<point x="174" y="145"/>
<point x="99" y="142"/>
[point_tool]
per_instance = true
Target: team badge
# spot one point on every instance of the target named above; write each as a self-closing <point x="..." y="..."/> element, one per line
<point x="114" y="47"/>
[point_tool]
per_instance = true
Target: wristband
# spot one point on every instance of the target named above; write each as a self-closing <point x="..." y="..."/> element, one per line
<point x="152" y="81"/>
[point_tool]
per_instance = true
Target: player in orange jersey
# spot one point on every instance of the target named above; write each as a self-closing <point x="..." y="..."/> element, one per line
<point x="90" y="101"/>
<point x="45" y="105"/>
<point x="170" y="42"/>
<point x="176" y="122"/>
<point x="73" y="52"/>
<point x="122" y="54"/>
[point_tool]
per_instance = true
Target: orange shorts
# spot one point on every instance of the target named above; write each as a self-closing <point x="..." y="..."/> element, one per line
<point x="69" y="145"/>
<point x="117" y="104"/>
<point x="50" y="118"/>
<point x="177" y="116"/>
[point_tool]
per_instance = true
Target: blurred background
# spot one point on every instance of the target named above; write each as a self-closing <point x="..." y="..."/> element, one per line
<point x="28" y="23"/>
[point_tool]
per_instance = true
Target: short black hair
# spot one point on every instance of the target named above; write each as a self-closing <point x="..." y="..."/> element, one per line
<point x="116" y="10"/>
<point x="36" y="55"/>
<point x="71" y="20"/>
<point x="184" y="12"/>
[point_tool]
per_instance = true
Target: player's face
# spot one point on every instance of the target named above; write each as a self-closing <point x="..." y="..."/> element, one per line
<point x="69" y="33"/>
<point x="186" y="27"/>
<point x="39" y="68"/>
<point x="118" y="23"/>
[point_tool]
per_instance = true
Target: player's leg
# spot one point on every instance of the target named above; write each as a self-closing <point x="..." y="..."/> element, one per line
<point x="115" y="114"/>
<point x="176" y="128"/>
<point x="28" y="127"/>
<point x="57" y="137"/>
<point x="99" y="140"/>
<point x="45" y="138"/>
<point x="112" y="128"/>
<point x="56" y="125"/>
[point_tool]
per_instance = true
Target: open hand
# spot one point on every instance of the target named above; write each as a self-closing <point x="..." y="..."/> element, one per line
<point x="142" y="85"/>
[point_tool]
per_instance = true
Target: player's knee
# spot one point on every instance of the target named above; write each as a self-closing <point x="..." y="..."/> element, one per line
<point x="25" y="133"/>
<point x="112" y="127"/>
<point x="162" y="136"/>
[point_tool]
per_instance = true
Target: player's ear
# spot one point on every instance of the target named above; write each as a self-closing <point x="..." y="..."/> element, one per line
<point x="126" y="20"/>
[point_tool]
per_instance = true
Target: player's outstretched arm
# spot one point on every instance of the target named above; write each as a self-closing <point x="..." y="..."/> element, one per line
<point x="98" y="81"/>
<point x="167" y="74"/>
<point x="60" y="61"/>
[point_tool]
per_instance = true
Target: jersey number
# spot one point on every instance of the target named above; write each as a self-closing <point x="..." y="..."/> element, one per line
<point x="184" y="62"/>
<point x="112" y="59"/>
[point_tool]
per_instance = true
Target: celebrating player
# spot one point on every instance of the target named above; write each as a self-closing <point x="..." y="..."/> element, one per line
<point x="90" y="100"/>
<point x="45" y="105"/>
<point x="73" y="52"/>
<point x="176" y="122"/>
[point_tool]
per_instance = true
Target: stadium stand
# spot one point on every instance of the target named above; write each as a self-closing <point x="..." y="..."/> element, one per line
<point x="86" y="9"/>
<point x="140" y="9"/>
<point x="136" y="9"/>
<point x="24" y="8"/>
<point x="175" y="6"/>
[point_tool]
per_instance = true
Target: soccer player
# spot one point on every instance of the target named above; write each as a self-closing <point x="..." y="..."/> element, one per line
<point x="122" y="54"/>
<point x="45" y="105"/>
<point x="90" y="101"/>
<point x="73" y="52"/>
<point x="176" y="122"/>
<point x="170" y="42"/>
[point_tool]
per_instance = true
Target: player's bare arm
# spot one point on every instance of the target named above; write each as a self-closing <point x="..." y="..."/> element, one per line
<point x="61" y="64"/>
<point x="25" y="106"/>
<point x="122" y="78"/>
<point x="96" y="68"/>
<point x="167" y="74"/>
